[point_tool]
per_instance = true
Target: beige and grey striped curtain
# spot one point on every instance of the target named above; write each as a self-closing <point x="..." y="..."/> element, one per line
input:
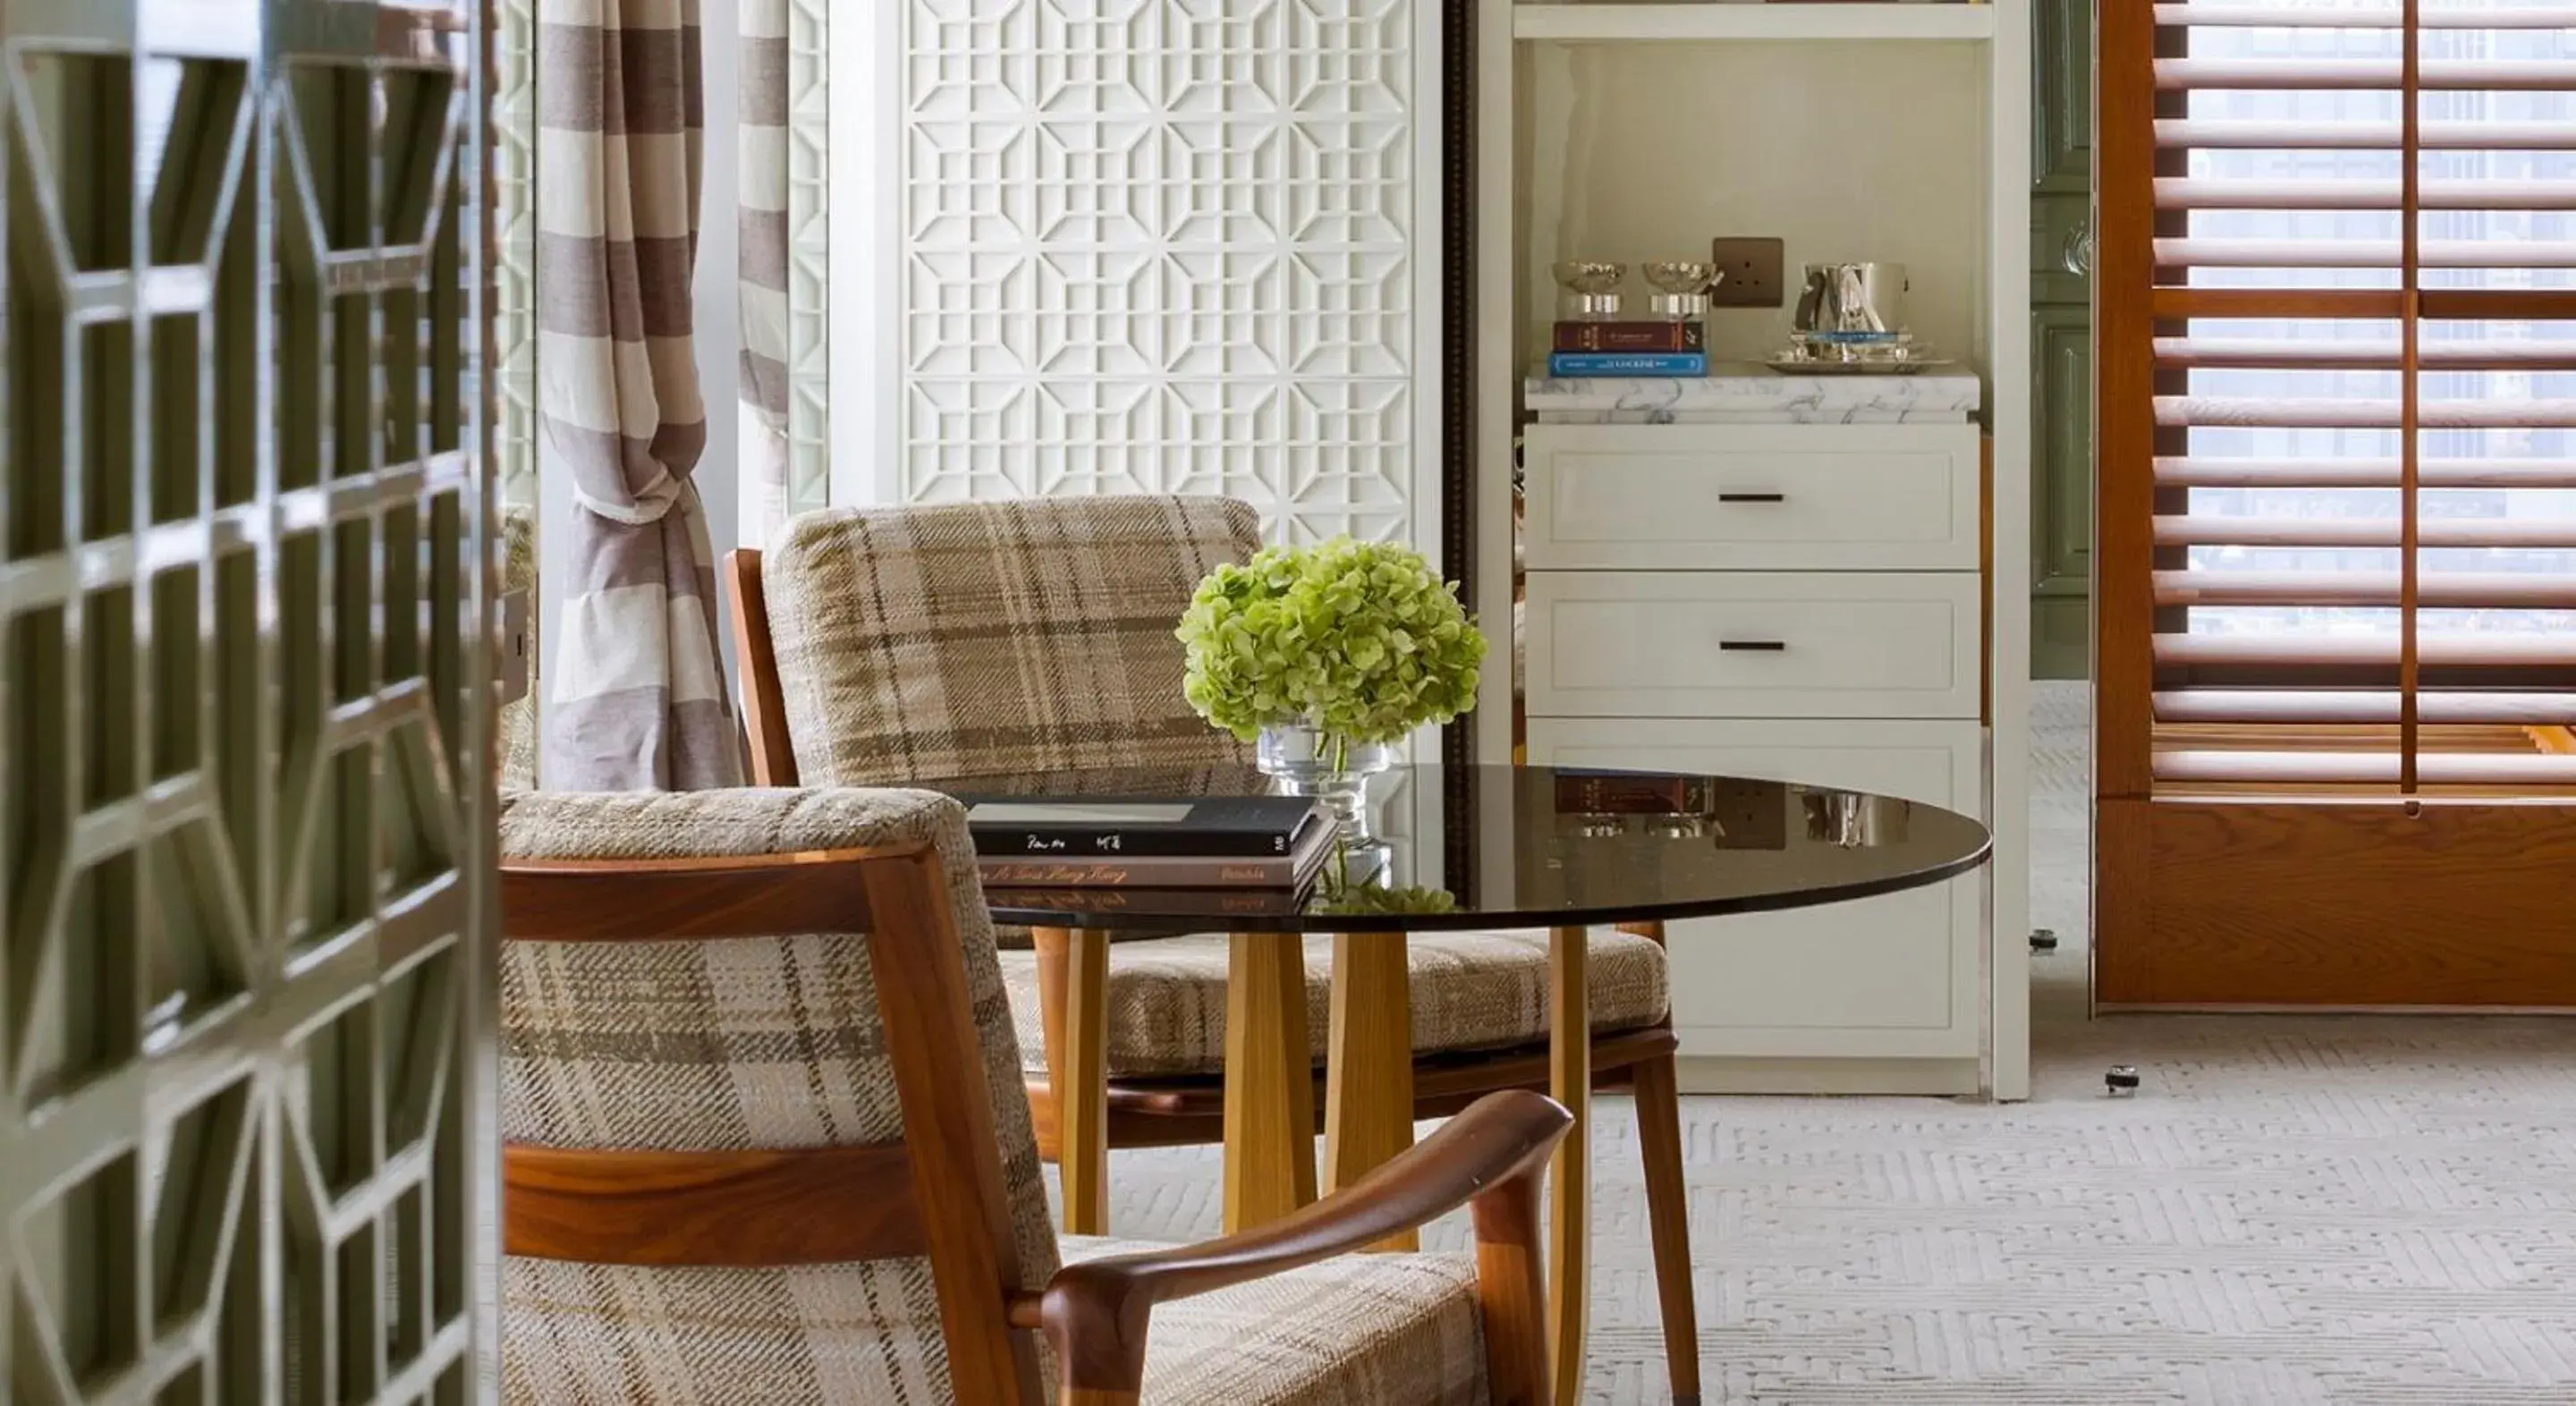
<point x="763" y="144"/>
<point x="637" y="700"/>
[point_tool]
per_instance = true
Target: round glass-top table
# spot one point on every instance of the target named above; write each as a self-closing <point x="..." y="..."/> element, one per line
<point x="1526" y="847"/>
<point x="1439" y="849"/>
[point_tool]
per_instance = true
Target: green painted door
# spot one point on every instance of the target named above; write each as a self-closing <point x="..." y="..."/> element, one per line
<point x="245" y="690"/>
<point x="2061" y="337"/>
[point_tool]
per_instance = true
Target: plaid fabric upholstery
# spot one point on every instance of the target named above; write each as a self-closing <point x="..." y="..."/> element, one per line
<point x="776" y="1043"/>
<point x="517" y="749"/>
<point x="734" y="1044"/>
<point x="1348" y="1332"/>
<point x="639" y="698"/>
<point x="918" y="643"/>
<point x="1471" y="991"/>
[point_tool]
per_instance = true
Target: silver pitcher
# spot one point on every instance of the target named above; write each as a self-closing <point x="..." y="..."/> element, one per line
<point x="1853" y="300"/>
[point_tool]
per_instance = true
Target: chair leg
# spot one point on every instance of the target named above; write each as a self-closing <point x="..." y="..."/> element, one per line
<point x="1659" y="1138"/>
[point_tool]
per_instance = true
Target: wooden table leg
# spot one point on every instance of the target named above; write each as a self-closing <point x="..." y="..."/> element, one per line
<point x="1269" y="1081"/>
<point x="1368" y="1093"/>
<point x="1569" y="1198"/>
<point x="1073" y="1003"/>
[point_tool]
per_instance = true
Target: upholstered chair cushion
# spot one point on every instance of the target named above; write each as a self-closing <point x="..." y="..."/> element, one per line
<point x="1471" y="991"/>
<point x="776" y="1042"/>
<point x="921" y="643"/>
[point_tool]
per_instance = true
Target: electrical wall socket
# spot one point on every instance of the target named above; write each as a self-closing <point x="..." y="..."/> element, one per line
<point x="1752" y="269"/>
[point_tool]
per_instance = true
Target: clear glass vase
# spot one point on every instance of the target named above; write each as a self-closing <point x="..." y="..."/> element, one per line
<point x="1304" y="760"/>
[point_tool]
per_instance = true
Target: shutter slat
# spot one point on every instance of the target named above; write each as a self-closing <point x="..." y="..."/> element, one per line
<point x="2254" y="412"/>
<point x="2311" y="75"/>
<point x="2213" y="530"/>
<point x="2366" y="253"/>
<point x="2187" y="472"/>
<point x="2466" y="590"/>
<point x="2238" y="134"/>
<point x="2324" y="705"/>
<point x="2443" y="649"/>
<point x="2195" y="193"/>
<point x="2376" y="304"/>
<point x="2355" y="768"/>
<point x="2371" y="17"/>
<point x="2314" y="354"/>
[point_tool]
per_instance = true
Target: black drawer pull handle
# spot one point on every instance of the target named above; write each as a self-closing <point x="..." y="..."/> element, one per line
<point x="1753" y="497"/>
<point x="1764" y="646"/>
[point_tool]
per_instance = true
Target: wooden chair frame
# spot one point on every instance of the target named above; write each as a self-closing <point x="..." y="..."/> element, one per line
<point x="940" y="1193"/>
<point x="1082" y="1113"/>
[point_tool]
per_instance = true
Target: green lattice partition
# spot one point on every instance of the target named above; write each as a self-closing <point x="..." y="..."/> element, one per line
<point x="245" y="693"/>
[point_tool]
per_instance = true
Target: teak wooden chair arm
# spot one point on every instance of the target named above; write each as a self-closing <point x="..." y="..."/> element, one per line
<point x="1492" y="1155"/>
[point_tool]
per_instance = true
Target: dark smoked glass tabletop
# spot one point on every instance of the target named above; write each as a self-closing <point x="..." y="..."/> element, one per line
<point x="1535" y="847"/>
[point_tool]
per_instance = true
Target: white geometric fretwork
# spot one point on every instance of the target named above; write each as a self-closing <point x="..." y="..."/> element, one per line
<point x="1163" y="246"/>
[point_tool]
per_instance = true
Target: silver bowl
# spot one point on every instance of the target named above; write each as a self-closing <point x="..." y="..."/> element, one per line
<point x="1683" y="275"/>
<point x="1591" y="277"/>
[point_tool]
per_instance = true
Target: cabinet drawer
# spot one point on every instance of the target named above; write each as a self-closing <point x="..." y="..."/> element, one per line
<point x="1889" y="977"/>
<point x="1753" y="644"/>
<point x="1755" y="497"/>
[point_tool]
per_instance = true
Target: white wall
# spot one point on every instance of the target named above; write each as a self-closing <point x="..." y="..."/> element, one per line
<point x="719" y="309"/>
<point x="1846" y="151"/>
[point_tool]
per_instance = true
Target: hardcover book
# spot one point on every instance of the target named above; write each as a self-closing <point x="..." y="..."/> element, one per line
<point x="1161" y="903"/>
<point x="1575" y="365"/>
<point x="1631" y="336"/>
<point x="1086" y="827"/>
<point x="1162" y="871"/>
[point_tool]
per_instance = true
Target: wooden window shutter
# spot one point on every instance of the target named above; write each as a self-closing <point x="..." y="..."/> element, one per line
<point x="2337" y="496"/>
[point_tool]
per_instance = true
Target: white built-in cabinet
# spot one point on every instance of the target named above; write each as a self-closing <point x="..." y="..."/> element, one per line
<point x="1754" y="595"/>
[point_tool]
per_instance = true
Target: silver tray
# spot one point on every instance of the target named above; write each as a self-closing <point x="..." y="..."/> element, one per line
<point x="1877" y="366"/>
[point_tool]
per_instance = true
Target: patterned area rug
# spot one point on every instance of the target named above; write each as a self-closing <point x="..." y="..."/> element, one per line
<point x="2359" y="1211"/>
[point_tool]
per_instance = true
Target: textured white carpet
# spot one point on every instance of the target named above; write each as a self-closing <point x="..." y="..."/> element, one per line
<point x="2379" y="1212"/>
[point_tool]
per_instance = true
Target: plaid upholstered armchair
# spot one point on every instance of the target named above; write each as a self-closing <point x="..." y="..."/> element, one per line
<point x="735" y="1025"/>
<point x="881" y="647"/>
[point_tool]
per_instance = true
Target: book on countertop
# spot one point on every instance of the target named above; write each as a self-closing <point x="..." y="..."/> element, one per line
<point x="1085" y="827"/>
<point x="1162" y="871"/>
<point x="1160" y="903"/>
<point x="1576" y="365"/>
<point x="1631" y="336"/>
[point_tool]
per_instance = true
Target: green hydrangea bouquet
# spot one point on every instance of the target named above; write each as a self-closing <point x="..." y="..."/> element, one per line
<point x="1360" y="641"/>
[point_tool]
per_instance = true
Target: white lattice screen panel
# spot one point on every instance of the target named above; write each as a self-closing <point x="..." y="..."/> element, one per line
<point x="1168" y="246"/>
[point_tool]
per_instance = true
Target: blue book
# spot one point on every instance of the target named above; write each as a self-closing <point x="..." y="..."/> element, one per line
<point x="1577" y="364"/>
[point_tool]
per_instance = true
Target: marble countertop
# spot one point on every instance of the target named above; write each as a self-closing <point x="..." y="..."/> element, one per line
<point x="1749" y="392"/>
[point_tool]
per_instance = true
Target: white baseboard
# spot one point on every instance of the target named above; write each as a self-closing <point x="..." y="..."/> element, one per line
<point x="1714" y="1074"/>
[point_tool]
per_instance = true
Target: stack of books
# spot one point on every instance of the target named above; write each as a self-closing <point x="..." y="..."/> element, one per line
<point x="1111" y="854"/>
<point x="1629" y="349"/>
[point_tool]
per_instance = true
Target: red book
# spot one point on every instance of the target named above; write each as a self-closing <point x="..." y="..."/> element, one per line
<point x="1631" y="337"/>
